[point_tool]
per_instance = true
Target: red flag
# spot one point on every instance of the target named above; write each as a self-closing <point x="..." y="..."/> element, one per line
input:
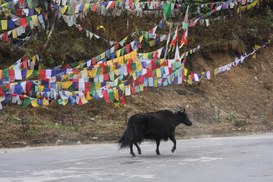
<point x="106" y="77"/>
<point x="42" y="74"/>
<point x="11" y="75"/>
<point x="21" y="2"/>
<point x="184" y="39"/>
<point x="23" y="22"/>
<point x="123" y="99"/>
<point x="105" y="96"/>
<point x="175" y="37"/>
<point x="111" y="5"/>
<point x="24" y="63"/>
<point x="130" y="4"/>
<point x="28" y="87"/>
<point x="94" y="8"/>
<point x="87" y="87"/>
<point x="5" y="37"/>
<point x="1" y="92"/>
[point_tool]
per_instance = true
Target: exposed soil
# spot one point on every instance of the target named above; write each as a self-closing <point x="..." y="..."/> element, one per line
<point x="235" y="102"/>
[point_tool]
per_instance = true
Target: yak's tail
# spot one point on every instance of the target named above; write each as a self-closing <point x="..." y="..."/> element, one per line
<point x="127" y="137"/>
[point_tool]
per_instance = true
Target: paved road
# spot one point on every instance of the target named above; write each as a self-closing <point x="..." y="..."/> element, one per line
<point x="229" y="159"/>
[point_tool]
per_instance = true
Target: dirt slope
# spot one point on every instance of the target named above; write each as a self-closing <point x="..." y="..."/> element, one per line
<point x="235" y="102"/>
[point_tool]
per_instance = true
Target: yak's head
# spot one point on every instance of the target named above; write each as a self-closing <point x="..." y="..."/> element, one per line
<point x="184" y="117"/>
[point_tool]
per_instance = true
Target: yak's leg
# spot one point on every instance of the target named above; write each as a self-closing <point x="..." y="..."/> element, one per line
<point x="138" y="149"/>
<point x="131" y="150"/>
<point x="172" y="138"/>
<point x="157" y="147"/>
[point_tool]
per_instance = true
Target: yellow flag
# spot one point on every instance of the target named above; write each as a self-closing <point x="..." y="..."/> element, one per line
<point x="121" y="60"/>
<point x="29" y="73"/>
<point x="134" y="75"/>
<point x="34" y="59"/>
<point x="83" y="99"/>
<point x="115" y="60"/>
<point x="92" y="73"/>
<point x="38" y="10"/>
<point x="127" y="56"/>
<point x="97" y="86"/>
<point x="35" y="20"/>
<point x="158" y="73"/>
<point x="121" y="86"/>
<point x="145" y="55"/>
<point x="138" y="66"/>
<point x="190" y="80"/>
<point x="11" y="67"/>
<point x="64" y="77"/>
<point x="65" y="101"/>
<point x="41" y="88"/>
<point x="118" y="53"/>
<point x="45" y="102"/>
<point x="88" y="96"/>
<point x="102" y="56"/>
<point x="4" y="24"/>
<point x="14" y="33"/>
<point x="86" y="6"/>
<point x="140" y="39"/>
<point x="134" y="54"/>
<point x="252" y="5"/>
<point x="155" y="82"/>
<point x="116" y="82"/>
<point x="69" y="93"/>
<point x="116" y="72"/>
<point x="110" y="63"/>
<point x="63" y="10"/>
<point x="4" y="4"/>
<point x="214" y="72"/>
<point x="116" y="94"/>
<point x="152" y="43"/>
<point x="66" y="85"/>
<point x="185" y="71"/>
<point x="161" y="61"/>
<point x="59" y="84"/>
<point x="141" y="87"/>
<point x="257" y="47"/>
<point x="34" y="103"/>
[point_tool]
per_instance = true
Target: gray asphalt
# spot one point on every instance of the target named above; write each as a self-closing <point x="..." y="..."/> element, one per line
<point x="228" y="159"/>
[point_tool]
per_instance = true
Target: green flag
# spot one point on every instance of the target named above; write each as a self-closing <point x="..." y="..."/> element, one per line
<point x="167" y="10"/>
<point x="111" y="96"/>
<point x="6" y="73"/>
<point x="26" y="102"/>
<point x="70" y="10"/>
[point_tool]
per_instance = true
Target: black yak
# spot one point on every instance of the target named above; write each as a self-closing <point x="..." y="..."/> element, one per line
<point x="153" y="126"/>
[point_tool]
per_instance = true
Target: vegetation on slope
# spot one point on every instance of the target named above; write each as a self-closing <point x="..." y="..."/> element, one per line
<point x="235" y="102"/>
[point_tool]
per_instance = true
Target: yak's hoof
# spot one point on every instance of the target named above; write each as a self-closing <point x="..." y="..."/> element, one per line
<point x="139" y="153"/>
<point x="157" y="153"/>
<point x="133" y="154"/>
<point x="173" y="150"/>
